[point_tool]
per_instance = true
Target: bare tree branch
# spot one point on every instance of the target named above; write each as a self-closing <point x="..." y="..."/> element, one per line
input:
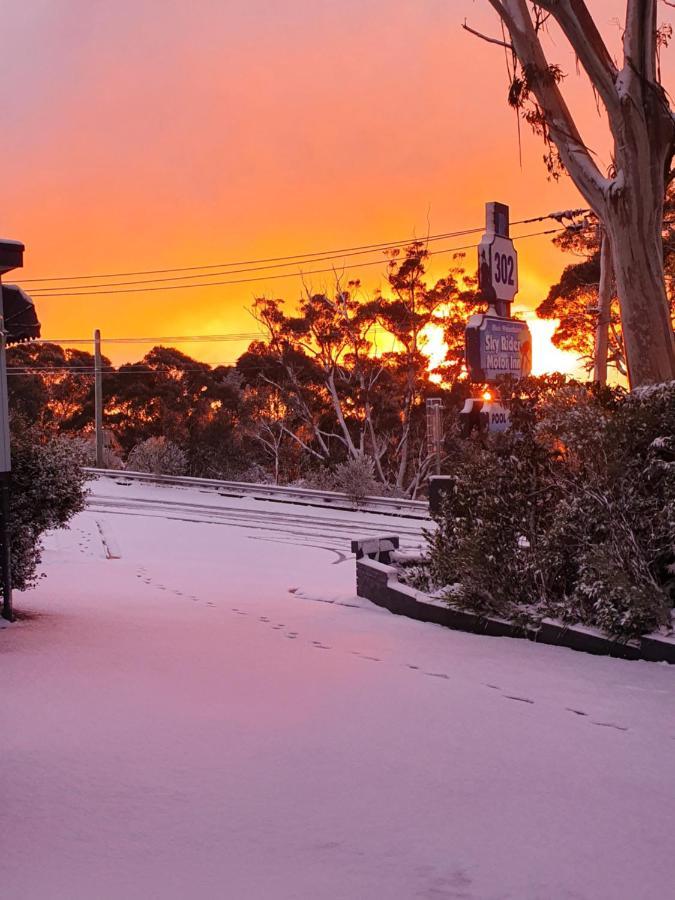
<point x="484" y="37"/>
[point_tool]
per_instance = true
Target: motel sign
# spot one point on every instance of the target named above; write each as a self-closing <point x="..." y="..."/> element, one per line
<point x="496" y="347"/>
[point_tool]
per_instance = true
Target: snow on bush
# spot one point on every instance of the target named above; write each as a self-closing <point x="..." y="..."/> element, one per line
<point x="356" y="478"/>
<point x="571" y="514"/>
<point x="87" y="448"/>
<point x="159" y="456"/>
<point x="47" y="489"/>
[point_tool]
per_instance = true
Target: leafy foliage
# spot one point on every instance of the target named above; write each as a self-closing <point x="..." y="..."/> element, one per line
<point x="47" y="490"/>
<point x="343" y="395"/>
<point x="570" y="514"/>
<point x="340" y="377"/>
<point x="157" y="455"/>
<point x="356" y="478"/>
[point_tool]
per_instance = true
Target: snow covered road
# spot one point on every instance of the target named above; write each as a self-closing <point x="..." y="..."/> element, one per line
<point x="200" y="708"/>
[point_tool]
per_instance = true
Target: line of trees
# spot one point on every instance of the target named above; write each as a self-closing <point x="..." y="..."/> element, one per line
<point x="342" y="379"/>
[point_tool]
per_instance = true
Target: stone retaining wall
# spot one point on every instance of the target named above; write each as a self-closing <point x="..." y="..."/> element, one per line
<point x="378" y="582"/>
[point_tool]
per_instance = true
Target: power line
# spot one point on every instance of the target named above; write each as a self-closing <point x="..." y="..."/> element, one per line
<point x="90" y="370"/>
<point x="183" y="339"/>
<point x="175" y="339"/>
<point x="291" y="258"/>
<point x="296" y="257"/>
<point x="183" y="287"/>
<point x="230" y="271"/>
<point x="87" y="291"/>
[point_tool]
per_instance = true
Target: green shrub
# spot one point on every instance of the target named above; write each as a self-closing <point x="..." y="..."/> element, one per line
<point x="570" y="514"/>
<point x="356" y="478"/>
<point x="47" y="486"/>
<point x="159" y="456"/>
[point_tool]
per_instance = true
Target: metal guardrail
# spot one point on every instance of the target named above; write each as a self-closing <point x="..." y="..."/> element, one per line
<point x="393" y="506"/>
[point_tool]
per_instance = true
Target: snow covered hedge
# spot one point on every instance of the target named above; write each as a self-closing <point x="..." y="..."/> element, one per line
<point x="159" y="456"/>
<point x="47" y="490"/>
<point x="571" y="514"/>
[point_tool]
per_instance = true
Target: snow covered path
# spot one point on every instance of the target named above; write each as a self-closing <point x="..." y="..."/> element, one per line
<point x="181" y="720"/>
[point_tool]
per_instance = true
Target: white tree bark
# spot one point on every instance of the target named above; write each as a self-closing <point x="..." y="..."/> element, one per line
<point x="604" y="312"/>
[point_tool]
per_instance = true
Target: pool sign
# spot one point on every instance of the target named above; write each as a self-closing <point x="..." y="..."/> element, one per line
<point x="497" y="260"/>
<point x="498" y="416"/>
<point x="480" y="414"/>
<point x="496" y="347"/>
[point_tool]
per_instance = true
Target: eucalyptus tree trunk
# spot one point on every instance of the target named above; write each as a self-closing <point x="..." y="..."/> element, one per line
<point x="628" y="201"/>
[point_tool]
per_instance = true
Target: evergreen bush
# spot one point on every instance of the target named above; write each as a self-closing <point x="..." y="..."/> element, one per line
<point x="159" y="456"/>
<point x="47" y="489"/>
<point x="356" y="478"/>
<point x="570" y="514"/>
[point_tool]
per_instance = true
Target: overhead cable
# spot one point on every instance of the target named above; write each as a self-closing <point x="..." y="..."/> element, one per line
<point x="210" y="284"/>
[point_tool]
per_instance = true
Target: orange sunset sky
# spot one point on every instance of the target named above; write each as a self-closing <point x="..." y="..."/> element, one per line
<point x="147" y="135"/>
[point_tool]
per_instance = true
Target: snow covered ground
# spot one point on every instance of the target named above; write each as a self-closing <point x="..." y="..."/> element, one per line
<point x="180" y="719"/>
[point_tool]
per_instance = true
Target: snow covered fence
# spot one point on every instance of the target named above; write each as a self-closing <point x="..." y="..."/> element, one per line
<point x="392" y="506"/>
<point x="378" y="582"/>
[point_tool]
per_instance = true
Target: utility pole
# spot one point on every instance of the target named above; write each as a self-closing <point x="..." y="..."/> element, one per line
<point x="11" y="257"/>
<point x="5" y="468"/>
<point x="98" y="398"/>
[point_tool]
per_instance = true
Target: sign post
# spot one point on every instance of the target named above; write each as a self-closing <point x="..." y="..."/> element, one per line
<point x="496" y="344"/>
<point x="497" y="261"/>
<point x="434" y="431"/>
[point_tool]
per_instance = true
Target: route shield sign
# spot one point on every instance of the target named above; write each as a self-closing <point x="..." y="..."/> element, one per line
<point x="496" y="347"/>
<point x="497" y="268"/>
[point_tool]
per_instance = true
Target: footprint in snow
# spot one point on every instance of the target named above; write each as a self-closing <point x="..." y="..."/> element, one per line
<point x="438" y="675"/>
<point x="520" y="699"/>
<point x="611" y="725"/>
<point x="577" y="712"/>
